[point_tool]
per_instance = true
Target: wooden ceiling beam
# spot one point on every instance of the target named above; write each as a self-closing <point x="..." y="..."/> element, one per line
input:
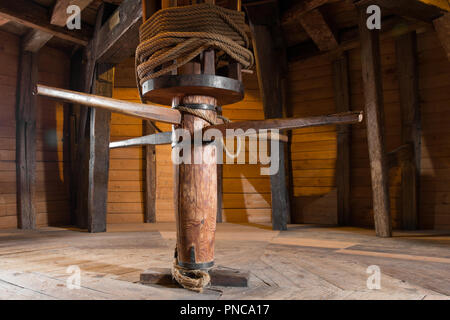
<point x="3" y="21"/>
<point x="319" y="31"/>
<point x="118" y="38"/>
<point x="391" y="27"/>
<point x="423" y="10"/>
<point x="34" y="40"/>
<point x="59" y="15"/>
<point x="32" y="15"/>
<point x="294" y="14"/>
<point x="442" y="26"/>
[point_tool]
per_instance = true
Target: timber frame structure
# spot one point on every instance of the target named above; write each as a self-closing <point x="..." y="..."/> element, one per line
<point x="112" y="37"/>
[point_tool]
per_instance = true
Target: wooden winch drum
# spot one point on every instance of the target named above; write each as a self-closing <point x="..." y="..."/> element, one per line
<point x="195" y="184"/>
<point x="196" y="197"/>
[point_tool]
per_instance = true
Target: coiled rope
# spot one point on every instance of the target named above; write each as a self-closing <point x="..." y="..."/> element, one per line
<point x="174" y="36"/>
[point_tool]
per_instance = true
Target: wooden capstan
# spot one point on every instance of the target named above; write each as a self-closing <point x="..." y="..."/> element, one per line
<point x="196" y="90"/>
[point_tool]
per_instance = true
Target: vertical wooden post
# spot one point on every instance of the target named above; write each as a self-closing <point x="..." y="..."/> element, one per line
<point x="407" y="68"/>
<point x="374" y="112"/>
<point x="149" y="7"/>
<point x="150" y="177"/>
<point x="99" y="135"/>
<point x="341" y="82"/>
<point x="26" y="141"/>
<point x="271" y="84"/>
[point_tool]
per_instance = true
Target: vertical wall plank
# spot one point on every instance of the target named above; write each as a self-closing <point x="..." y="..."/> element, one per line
<point x="407" y="69"/>
<point x="374" y="112"/>
<point x="341" y="82"/>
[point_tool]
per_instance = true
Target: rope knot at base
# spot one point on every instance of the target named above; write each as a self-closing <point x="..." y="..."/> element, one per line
<point x="194" y="280"/>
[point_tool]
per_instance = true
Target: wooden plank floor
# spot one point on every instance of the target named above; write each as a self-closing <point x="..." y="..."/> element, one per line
<point x="305" y="262"/>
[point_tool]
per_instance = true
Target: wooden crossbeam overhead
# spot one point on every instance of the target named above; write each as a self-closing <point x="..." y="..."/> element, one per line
<point x="390" y="28"/>
<point x="32" y="15"/>
<point x="35" y="39"/>
<point x="442" y="26"/>
<point x="59" y="15"/>
<point x="319" y="31"/>
<point x="424" y="10"/>
<point x="3" y="21"/>
<point x="119" y="36"/>
<point x="294" y="14"/>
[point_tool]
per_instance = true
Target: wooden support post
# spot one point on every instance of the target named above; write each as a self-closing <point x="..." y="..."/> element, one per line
<point x="80" y="187"/>
<point x="150" y="177"/>
<point x="269" y="54"/>
<point x="407" y="68"/>
<point x="341" y="82"/>
<point x="149" y="7"/>
<point x="26" y="128"/>
<point x="374" y="112"/>
<point x="99" y="135"/>
<point x="26" y="141"/>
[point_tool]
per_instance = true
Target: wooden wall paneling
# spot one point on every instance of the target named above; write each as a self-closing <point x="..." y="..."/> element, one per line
<point x="342" y="101"/>
<point x="374" y="113"/>
<point x="407" y="69"/>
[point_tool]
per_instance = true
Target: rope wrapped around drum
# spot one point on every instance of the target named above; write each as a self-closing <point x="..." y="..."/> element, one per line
<point x="174" y="36"/>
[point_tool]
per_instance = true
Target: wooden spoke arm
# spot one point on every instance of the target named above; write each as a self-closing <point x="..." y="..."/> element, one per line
<point x="153" y="139"/>
<point x="292" y="123"/>
<point x="145" y="111"/>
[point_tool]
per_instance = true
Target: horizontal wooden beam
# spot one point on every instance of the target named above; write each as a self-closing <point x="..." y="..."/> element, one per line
<point x="417" y="9"/>
<point x="34" y="40"/>
<point x="119" y="36"/>
<point x="32" y="15"/>
<point x="60" y="16"/>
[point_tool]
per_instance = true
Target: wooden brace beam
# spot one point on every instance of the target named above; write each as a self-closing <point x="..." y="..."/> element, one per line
<point x="32" y="15"/>
<point x="442" y="26"/>
<point x="59" y="15"/>
<point x="319" y="31"/>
